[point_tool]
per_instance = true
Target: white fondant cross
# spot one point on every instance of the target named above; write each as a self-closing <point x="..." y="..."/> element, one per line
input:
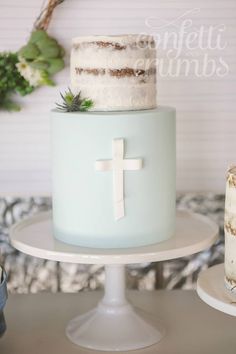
<point x="118" y="165"/>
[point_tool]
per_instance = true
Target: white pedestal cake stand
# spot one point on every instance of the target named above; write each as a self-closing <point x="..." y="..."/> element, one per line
<point x="211" y="289"/>
<point x="114" y="325"/>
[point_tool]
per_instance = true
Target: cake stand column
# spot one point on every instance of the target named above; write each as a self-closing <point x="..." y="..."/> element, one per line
<point x="114" y="286"/>
<point x="114" y="325"/>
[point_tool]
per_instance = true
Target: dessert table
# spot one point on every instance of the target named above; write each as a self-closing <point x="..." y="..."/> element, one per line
<point x="36" y="323"/>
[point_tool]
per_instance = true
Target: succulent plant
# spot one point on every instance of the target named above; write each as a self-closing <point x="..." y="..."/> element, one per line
<point x="33" y="64"/>
<point x="74" y="103"/>
<point x="29" y="51"/>
<point x="43" y="52"/>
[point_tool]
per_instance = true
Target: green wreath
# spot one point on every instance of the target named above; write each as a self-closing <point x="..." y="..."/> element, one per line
<point x="34" y="64"/>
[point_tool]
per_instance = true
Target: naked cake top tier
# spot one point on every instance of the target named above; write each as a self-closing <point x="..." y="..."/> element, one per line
<point x="116" y="72"/>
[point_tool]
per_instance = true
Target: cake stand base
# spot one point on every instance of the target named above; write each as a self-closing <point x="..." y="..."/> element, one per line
<point x="114" y="325"/>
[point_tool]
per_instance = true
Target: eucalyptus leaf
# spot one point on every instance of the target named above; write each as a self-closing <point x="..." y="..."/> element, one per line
<point x="55" y="65"/>
<point x="47" y="42"/>
<point x="29" y="51"/>
<point x="37" y="36"/>
<point x="39" y="64"/>
<point x="53" y="41"/>
<point x="49" y="50"/>
<point x="62" y="51"/>
<point x="45" y="79"/>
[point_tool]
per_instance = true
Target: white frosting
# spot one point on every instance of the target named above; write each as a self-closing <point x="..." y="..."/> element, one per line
<point x="230" y="200"/>
<point x="110" y="91"/>
<point x="230" y="229"/>
<point x="230" y="259"/>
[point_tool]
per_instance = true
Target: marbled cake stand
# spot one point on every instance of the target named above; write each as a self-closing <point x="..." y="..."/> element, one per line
<point x="212" y="290"/>
<point x="114" y="325"/>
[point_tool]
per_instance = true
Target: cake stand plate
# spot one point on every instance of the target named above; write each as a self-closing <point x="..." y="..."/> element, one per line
<point x="114" y="325"/>
<point x="211" y="289"/>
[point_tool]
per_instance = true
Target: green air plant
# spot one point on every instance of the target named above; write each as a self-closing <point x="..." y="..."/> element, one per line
<point x="74" y="103"/>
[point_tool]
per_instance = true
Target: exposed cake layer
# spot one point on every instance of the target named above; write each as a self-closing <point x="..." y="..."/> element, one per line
<point x="116" y="72"/>
<point x="230" y="230"/>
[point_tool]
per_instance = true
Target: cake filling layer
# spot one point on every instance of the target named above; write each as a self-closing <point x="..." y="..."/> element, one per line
<point x="126" y="72"/>
<point x="114" y="45"/>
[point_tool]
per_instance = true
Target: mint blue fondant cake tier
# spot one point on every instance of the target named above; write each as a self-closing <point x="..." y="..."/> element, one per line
<point x="114" y="177"/>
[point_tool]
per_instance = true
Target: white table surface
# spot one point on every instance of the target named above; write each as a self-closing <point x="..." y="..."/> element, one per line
<point x="36" y="323"/>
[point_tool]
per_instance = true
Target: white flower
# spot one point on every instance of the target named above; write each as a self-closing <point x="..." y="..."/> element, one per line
<point x="33" y="76"/>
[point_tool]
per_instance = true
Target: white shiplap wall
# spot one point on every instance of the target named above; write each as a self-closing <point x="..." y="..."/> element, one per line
<point x="206" y="120"/>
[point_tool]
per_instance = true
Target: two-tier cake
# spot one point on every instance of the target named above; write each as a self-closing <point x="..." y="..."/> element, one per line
<point x="114" y="167"/>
